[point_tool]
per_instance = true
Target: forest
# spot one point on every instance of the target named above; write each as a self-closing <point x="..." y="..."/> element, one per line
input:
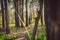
<point x="29" y="19"/>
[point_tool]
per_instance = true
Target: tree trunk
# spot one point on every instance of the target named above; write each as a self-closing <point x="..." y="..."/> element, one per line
<point x="41" y="17"/>
<point x="52" y="19"/>
<point x="22" y="13"/>
<point x="37" y="20"/>
<point x="27" y="19"/>
<point x="16" y="14"/>
<point x="6" y="16"/>
<point x="3" y="14"/>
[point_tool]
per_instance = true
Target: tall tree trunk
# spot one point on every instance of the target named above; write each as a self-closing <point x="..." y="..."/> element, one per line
<point x="27" y="19"/>
<point x="16" y="14"/>
<point x="37" y="20"/>
<point x="52" y="19"/>
<point x="22" y="13"/>
<point x="41" y="17"/>
<point x="3" y="14"/>
<point x="6" y="16"/>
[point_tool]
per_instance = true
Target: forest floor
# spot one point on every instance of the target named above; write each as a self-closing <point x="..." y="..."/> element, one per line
<point x="21" y="34"/>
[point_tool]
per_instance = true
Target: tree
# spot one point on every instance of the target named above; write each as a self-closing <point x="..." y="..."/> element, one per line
<point x="32" y="10"/>
<point x="41" y="17"/>
<point x="6" y="16"/>
<point x="22" y="13"/>
<point x="3" y="14"/>
<point x="37" y="19"/>
<point x="27" y="19"/>
<point x="16" y="14"/>
<point x="52" y="19"/>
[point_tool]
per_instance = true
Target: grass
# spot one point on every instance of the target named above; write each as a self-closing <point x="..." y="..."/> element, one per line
<point x="6" y="37"/>
<point x="38" y="36"/>
<point x="2" y="36"/>
<point x="41" y="37"/>
<point x="41" y="33"/>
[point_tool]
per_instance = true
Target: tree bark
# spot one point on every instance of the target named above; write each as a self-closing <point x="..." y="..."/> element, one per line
<point x="37" y="20"/>
<point x="41" y="17"/>
<point x="3" y="14"/>
<point x="22" y="13"/>
<point x="17" y="25"/>
<point x="27" y="19"/>
<point x="52" y="19"/>
<point x="6" y="16"/>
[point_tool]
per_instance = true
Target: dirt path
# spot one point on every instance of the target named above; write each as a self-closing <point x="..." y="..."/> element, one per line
<point x="21" y="36"/>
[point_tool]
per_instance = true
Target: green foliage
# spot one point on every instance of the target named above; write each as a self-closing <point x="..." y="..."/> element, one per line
<point x="10" y="38"/>
<point x="29" y="35"/>
<point x="2" y="36"/>
<point x="5" y="37"/>
<point x="41" y="37"/>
